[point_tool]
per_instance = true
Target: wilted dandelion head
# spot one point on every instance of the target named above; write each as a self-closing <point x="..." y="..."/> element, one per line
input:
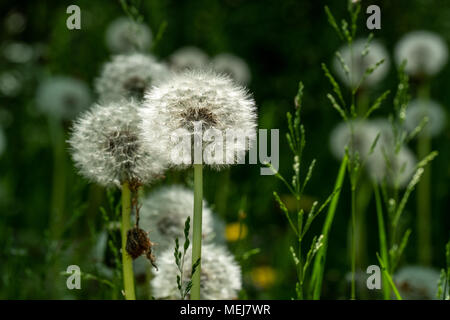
<point x="233" y="66"/>
<point x="425" y="52"/>
<point x="394" y="168"/>
<point x="62" y="97"/>
<point x="418" y="110"/>
<point x="128" y="77"/>
<point x="220" y="277"/>
<point x="107" y="149"/>
<point x="417" y="283"/>
<point x="188" y="58"/>
<point x="358" y="59"/>
<point x="124" y="35"/>
<point x="176" y="107"/>
<point x="361" y="141"/>
<point x="164" y="213"/>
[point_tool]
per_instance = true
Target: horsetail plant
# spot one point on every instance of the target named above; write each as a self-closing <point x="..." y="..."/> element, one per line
<point x="296" y="140"/>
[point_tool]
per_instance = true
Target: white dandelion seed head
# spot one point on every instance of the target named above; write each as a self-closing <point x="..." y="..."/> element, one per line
<point x="395" y="168"/>
<point x="426" y="53"/>
<point x="107" y="149"/>
<point x="174" y="108"/>
<point x="359" y="63"/>
<point x="418" y="109"/>
<point x="124" y="35"/>
<point x="63" y="97"/>
<point x="364" y="135"/>
<point x="417" y="282"/>
<point x="129" y="76"/>
<point x="188" y="58"/>
<point x="220" y="277"/>
<point x="10" y="83"/>
<point x="233" y="66"/>
<point x="18" y="52"/>
<point x="164" y="213"/>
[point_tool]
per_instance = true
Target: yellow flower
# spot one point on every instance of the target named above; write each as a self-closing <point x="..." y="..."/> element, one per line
<point x="235" y="231"/>
<point x="263" y="276"/>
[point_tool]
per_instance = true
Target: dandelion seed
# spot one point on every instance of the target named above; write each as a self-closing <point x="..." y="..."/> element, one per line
<point x="124" y="35"/>
<point x="425" y="52"/>
<point x="364" y="135"/>
<point x="174" y="107"/>
<point x="418" y="109"/>
<point x="220" y="277"/>
<point x="188" y="58"/>
<point x="417" y="283"/>
<point x="233" y="66"/>
<point x="62" y="97"/>
<point x="358" y="59"/>
<point x="128" y="77"/>
<point x="107" y="149"/>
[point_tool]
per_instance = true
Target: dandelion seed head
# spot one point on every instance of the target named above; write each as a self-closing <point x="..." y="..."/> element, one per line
<point x="106" y="146"/>
<point x="233" y="66"/>
<point x="164" y="213"/>
<point x="364" y="135"/>
<point x="62" y="97"/>
<point x="362" y="59"/>
<point x="188" y="58"/>
<point x="418" y="109"/>
<point x="128" y="77"/>
<point x="124" y="35"/>
<point x="220" y="277"/>
<point x="395" y="168"/>
<point x="198" y="97"/>
<point x="425" y="52"/>
<point x="417" y="282"/>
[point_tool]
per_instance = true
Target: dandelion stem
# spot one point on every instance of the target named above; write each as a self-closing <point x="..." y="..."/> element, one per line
<point x="423" y="194"/>
<point x="197" y="230"/>
<point x="353" y="292"/>
<point x="127" y="261"/>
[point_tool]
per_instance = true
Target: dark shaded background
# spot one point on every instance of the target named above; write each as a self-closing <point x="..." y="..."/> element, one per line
<point x="283" y="42"/>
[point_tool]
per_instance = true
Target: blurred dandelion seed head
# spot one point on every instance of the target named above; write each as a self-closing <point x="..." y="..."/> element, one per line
<point x="425" y="52"/>
<point x="164" y="213"/>
<point x="124" y="35"/>
<point x="188" y="58"/>
<point x="358" y="59"/>
<point x="233" y="66"/>
<point x="106" y="147"/>
<point x="220" y="277"/>
<point x="418" y="109"/>
<point x="198" y="97"/>
<point x="128" y="77"/>
<point x="63" y="97"/>
<point x="417" y="282"/>
<point x="364" y="135"/>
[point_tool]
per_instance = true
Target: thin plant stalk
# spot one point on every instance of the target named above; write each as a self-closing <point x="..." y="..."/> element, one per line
<point x="59" y="178"/>
<point x="423" y="194"/>
<point x="197" y="230"/>
<point x="353" y="245"/>
<point x="319" y="262"/>
<point x="127" y="261"/>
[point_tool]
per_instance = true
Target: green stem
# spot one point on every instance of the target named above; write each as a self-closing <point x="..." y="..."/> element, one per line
<point x="59" y="179"/>
<point x="423" y="193"/>
<point x="197" y="230"/>
<point x="319" y="260"/>
<point x="127" y="261"/>
<point x="353" y="258"/>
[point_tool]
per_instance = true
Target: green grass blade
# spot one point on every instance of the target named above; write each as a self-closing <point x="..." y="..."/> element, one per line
<point x="319" y="260"/>
<point x="383" y="241"/>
